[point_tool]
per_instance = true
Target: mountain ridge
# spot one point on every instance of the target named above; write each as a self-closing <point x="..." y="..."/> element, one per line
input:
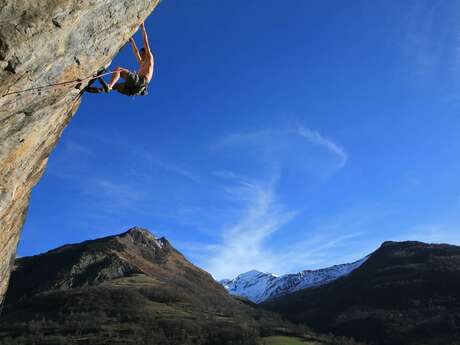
<point x="406" y="293"/>
<point x="92" y="262"/>
<point x="259" y="286"/>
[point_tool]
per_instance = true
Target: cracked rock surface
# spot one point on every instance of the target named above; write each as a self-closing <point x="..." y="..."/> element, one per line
<point x="47" y="42"/>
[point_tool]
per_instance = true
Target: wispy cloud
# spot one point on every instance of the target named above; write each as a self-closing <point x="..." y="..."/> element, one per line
<point x="253" y="242"/>
<point x="316" y="138"/>
<point x="248" y="212"/>
<point x="176" y="169"/>
<point x="429" y="46"/>
<point x="109" y="195"/>
<point x="277" y="145"/>
<point x="316" y="251"/>
<point x="243" y="243"/>
<point x="152" y="161"/>
<point x="229" y="175"/>
<point x="299" y="240"/>
<point x="73" y="147"/>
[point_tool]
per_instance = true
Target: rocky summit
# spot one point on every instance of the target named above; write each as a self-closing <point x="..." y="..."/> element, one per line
<point x="41" y="43"/>
<point x="94" y="262"/>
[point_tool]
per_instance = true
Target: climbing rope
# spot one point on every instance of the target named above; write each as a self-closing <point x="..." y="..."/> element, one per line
<point x="69" y="82"/>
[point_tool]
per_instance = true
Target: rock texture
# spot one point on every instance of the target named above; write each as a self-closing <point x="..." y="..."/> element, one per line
<point x="44" y="42"/>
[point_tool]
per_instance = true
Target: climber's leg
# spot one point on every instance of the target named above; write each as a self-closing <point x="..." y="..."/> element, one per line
<point x="104" y="84"/>
<point x="123" y="88"/>
<point x="119" y="72"/>
<point x="92" y="89"/>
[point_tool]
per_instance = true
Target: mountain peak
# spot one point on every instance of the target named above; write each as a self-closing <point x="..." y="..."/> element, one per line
<point x="251" y="274"/>
<point x="142" y="238"/>
<point x="136" y="251"/>
<point x="259" y="286"/>
<point x="140" y="234"/>
<point x="139" y="231"/>
<point x="387" y="244"/>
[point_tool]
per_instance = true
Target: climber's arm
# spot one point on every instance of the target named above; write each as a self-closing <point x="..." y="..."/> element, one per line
<point x="135" y="50"/>
<point x="146" y="41"/>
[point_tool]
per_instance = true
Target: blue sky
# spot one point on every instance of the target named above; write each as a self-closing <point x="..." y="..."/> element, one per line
<point x="277" y="136"/>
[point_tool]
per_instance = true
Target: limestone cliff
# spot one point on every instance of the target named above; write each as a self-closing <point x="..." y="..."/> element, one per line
<point x="44" y="42"/>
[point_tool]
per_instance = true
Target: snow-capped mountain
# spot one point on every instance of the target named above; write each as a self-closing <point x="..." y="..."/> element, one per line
<point x="259" y="286"/>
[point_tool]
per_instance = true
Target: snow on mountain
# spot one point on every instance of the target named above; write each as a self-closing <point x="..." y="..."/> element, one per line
<point x="259" y="286"/>
<point x="252" y="285"/>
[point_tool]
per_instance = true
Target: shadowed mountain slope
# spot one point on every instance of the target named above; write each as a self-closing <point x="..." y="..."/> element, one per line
<point x="405" y="293"/>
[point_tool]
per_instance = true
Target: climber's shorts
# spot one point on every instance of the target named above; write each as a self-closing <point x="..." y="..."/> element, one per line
<point x="134" y="84"/>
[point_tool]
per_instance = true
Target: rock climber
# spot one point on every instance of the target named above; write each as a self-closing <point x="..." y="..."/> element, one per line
<point x="135" y="83"/>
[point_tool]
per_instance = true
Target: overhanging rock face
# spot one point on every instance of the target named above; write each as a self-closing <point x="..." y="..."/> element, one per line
<point x="46" y="42"/>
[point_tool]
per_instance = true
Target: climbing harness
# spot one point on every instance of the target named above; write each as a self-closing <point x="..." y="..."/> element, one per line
<point x="69" y="82"/>
<point x="141" y="89"/>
